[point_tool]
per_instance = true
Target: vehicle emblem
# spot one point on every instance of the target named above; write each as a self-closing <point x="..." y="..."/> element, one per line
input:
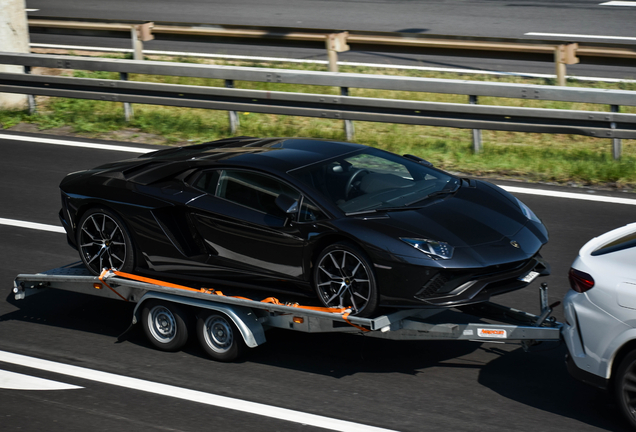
<point x="514" y="244"/>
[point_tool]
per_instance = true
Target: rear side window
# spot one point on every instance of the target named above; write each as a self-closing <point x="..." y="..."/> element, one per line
<point x="208" y="182"/>
<point x="626" y="242"/>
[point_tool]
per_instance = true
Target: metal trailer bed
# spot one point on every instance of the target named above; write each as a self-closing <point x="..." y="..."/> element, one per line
<point x="225" y="325"/>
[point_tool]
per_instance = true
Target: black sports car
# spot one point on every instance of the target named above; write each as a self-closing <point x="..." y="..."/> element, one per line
<point x="361" y="227"/>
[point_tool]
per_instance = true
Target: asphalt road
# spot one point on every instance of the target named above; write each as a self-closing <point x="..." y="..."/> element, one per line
<point x="488" y="18"/>
<point x="492" y="18"/>
<point x="406" y="386"/>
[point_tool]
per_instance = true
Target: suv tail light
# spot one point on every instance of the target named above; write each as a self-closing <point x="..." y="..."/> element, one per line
<point x="580" y="281"/>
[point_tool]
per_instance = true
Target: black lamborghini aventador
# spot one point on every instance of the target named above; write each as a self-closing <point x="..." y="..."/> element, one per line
<point x="360" y="227"/>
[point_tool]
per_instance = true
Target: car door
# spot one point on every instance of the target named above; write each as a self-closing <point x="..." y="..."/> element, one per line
<point x="246" y="232"/>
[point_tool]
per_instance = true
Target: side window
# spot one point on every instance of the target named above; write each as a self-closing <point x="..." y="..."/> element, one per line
<point x="253" y="190"/>
<point x="208" y="181"/>
<point x="309" y="212"/>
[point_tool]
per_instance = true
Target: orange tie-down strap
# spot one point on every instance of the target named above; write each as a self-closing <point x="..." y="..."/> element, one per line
<point x="344" y="311"/>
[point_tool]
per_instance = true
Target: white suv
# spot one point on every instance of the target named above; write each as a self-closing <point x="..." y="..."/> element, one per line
<point x="600" y="313"/>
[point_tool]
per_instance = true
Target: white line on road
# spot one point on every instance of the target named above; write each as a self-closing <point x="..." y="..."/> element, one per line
<point x="31" y="10"/>
<point x="618" y="3"/>
<point x="74" y="143"/>
<point x="512" y="189"/>
<point x="580" y="36"/>
<point x="189" y="395"/>
<point x="342" y="63"/>
<point x="569" y="195"/>
<point x="32" y="225"/>
<point x="16" y="381"/>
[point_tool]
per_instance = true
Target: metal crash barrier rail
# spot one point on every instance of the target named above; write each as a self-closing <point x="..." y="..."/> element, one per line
<point x="611" y="125"/>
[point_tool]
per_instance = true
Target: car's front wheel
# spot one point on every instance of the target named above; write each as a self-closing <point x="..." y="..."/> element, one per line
<point x="344" y="277"/>
<point x="103" y="242"/>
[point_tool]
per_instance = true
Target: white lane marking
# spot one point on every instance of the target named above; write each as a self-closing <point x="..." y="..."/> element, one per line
<point x="189" y="395"/>
<point x="569" y="195"/>
<point x="75" y="143"/>
<point x="512" y="189"/>
<point x="32" y="225"/>
<point x="618" y="3"/>
<point x="580" y="36"/>
<point x="31" y="10"/>
<point x="16" y="381"/>
<point x="288" y="60"/>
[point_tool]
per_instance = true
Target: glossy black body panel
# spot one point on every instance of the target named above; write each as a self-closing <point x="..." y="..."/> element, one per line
<point x="180" y="229"/>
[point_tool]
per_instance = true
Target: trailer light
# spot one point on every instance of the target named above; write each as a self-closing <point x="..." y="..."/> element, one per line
<point x="298" y="320"/>
<point x="97" y="286"/>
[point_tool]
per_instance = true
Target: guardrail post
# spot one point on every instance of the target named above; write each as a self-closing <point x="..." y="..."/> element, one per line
<point x="30" y="98"/>
<point x="128" y="110"/>
<point x="617" y="143"/>
<point x="335" y="43"/>
<point x="348" y="124"/>
<point x="233" y="115"/>
<point x="477" y="146"/>
<point x="564" y="55"/>
<point x="138" y="34"/>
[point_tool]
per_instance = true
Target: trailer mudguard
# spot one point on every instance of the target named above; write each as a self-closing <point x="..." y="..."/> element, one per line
<point x="244" y="318"/>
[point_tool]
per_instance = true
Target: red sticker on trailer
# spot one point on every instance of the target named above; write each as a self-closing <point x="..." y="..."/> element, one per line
<point x="492" y="333"/>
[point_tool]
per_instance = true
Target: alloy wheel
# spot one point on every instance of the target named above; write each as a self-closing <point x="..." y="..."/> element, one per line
<point x="343" y="280"/>
<point x="102" y="243"/>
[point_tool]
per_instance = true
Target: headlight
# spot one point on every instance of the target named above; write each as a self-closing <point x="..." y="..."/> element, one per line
<point x="432" y="248"/>
<point x="527" y="212"/>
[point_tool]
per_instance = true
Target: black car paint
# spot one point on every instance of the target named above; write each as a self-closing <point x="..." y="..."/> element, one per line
<point x="181" y="232"/>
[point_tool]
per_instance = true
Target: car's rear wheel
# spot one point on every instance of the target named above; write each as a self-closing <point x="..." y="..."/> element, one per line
<point x="625" y="387"/>
<point x="103" y="242"/>
<point x="344" y="277"/>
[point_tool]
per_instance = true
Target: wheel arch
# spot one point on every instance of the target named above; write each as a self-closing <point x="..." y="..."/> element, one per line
<point x="328" y="240"/>
<point x="244" y="318"/>
<point x="621" y="353"/>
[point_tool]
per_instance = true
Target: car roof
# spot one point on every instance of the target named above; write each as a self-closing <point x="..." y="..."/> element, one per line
<point x="283" y="154"/>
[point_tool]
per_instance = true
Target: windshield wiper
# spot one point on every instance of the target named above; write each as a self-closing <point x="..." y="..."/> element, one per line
<point x="382" y="210"/>
<point x="432" y="194"/>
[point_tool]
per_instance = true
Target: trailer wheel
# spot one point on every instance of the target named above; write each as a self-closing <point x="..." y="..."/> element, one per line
<point x="103" y="242"/>
<point x="165" y="325"/>
<point x="344" y="277"/>
<point x="625" y="387"/>
<point x="219" y="336"/>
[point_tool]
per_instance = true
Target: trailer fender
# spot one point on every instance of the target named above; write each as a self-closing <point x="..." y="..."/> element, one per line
<point x="244" y="318"/>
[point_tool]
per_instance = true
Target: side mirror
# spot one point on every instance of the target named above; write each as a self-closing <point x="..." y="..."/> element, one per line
<point x="287" y="204"/>
<point x="419" y="160"/>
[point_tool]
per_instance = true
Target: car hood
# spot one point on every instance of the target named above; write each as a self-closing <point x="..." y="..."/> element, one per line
<point x="463" y="219"/>
<point x="483" y="223"/>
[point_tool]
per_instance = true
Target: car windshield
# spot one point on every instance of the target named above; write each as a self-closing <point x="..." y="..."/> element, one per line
<point x="374" y="180"/>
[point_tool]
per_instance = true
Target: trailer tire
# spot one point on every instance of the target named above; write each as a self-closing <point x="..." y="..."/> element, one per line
<point x="219" y="336"/>
<point x="165" y="325"/>
<point x="103" y="241"/>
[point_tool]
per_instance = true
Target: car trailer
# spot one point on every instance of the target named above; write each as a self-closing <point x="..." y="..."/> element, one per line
<point x="225" y="325"/>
